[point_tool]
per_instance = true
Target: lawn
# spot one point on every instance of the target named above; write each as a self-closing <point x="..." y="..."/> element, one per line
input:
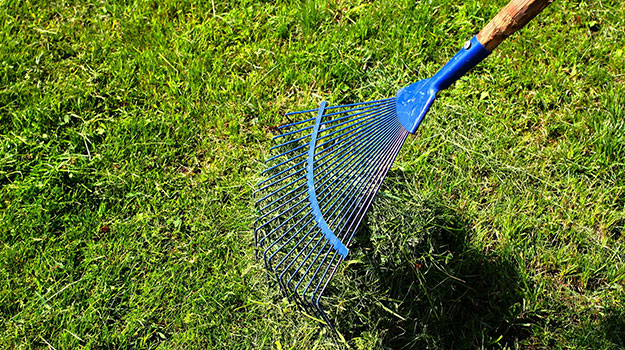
<point x="132" y="135"/>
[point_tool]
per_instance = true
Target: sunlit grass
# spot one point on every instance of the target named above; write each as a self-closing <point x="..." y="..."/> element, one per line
<point x="132" y="134"/>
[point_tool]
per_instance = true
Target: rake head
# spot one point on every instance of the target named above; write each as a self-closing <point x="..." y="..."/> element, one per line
<point x="323" y="178"/>
<point x="324" y="175"/>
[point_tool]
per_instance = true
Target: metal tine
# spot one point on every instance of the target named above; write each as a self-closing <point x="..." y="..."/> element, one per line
<point x="282" y="172"/>
<point x="265" y="223"/>
<point x="354" y="146"/>
<point x="329" y="278"/>
<point x="286" y="143"/>
<point x="378" y="181"/>
<point x="368" y="153"/>
<point x="370" y="199"/>
<point x="331" y="203"/>
<point x="354" y="117"/>
<point x="280" y="206"/>
<point x="296" y="246"/>
<point x="361" y="103"/>
<point x="319" y="265"/>
<point x="275" y="229"/>
<point x="294" y="157"/>
<point x="266" y="187"/>
<point x="292" y="132"/>
<point x="312" y="263"/>
<point x="276" y="191"/>
<point x="301" y="112"/>
<point x="386" y="101"/>
<point x="363" y="124"/>
<point x="321" y="279"/>
<point x="364" y="118"/>
<point x="303" y="261"/>
<point x="379" y="120"/>
<point x="357" y="160"/>
<point x="305" y="267"/>
<point x="327" y="171"/>
<point x="285" y="188"/>
<point x="277" y="208"/>
<point x="295" y="234"/>
<point x="282" y="163"/>
<point x="285" y="221"/>
<point x="321" y="239"/>
<point x="281" y="179"/>
<point x="354" y="140"/>
<point x="362" y="110"/>
<point x="268" y="260"/>
<point x="317" y="272"/>
<point x="347" y="172"/>
<point x="275" y="182"/>
<point x="357" y="167"/>
<point x="316" y="233"/>
<point x="343" y="147"/>
<point x="367" y="129"/>
<point x="300" y="122"/>
<point x="322" y="199"/>
<point x="286" y="152"/>
<point x="354" y="169"/>
<point x="372" y="115"/>
<point x="347" y="200"/>
<point x="292" y="293"/>
<point x="355" y="183"/>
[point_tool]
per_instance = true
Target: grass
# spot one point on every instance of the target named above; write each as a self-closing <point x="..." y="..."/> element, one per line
<point x="132" y="134"/>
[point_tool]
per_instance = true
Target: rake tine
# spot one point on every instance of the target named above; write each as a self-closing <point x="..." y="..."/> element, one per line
<point x="284" y="162"/>
<point x="353" y="178"/>
<point x="292" y="132"/>
<point x="391" y="158"/>
<point x="364" y="118"/>
<point x="334" y="107"/>
<point x="390" y="99"/>
<point x="349" y="201"/>
<point x="343" y="147"/>
<point x="286" y="143"/>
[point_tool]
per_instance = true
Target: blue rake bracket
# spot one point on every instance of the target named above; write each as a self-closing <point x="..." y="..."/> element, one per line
<point x="312" y="194"/>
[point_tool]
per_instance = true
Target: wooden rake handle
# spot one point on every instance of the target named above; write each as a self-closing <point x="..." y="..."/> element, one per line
<point x="511" y="18"/>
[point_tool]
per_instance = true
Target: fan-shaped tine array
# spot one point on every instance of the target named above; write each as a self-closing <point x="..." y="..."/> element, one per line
<point x="322" y="179"/>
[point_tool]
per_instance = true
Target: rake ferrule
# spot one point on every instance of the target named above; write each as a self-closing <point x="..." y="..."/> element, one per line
<point x="414" y="101"/>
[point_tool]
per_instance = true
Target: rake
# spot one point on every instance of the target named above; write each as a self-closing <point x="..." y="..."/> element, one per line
<point x="328" y="167"/>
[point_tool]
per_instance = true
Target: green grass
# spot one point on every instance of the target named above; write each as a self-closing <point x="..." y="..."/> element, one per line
<point x="132" y="134"/>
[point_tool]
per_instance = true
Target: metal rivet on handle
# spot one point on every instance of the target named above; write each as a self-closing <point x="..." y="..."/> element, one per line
<point x="467" y="44"/>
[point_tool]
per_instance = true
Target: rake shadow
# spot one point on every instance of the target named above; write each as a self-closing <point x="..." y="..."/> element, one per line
<point x="613" y="326"/>
<point x="418" y="280"/>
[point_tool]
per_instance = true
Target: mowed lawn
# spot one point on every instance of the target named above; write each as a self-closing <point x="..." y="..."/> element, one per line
<point x="132" y="135"/>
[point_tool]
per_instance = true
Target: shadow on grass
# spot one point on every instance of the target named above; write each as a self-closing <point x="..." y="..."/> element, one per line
<point x="417" y="280"/>
<point x="613" y="326"/>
